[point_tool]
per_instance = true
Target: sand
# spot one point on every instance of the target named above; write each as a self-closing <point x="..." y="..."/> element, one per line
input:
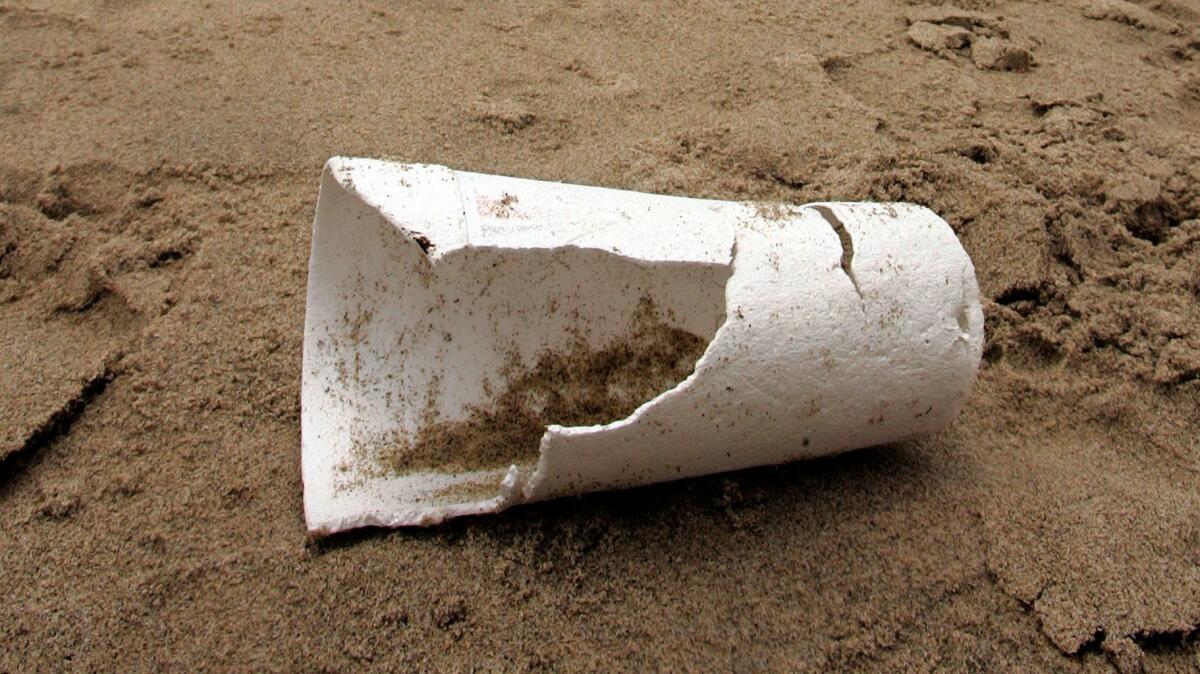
<point x="159" y="162"/>
<point x="581" y="385"/>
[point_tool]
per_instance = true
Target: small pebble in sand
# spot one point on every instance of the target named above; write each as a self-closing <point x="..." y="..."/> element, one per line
<point x="936" y="37"/>
<point x="991" y="53"/>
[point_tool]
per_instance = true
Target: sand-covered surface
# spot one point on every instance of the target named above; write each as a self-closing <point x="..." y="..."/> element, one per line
<point x="159" y="162"/>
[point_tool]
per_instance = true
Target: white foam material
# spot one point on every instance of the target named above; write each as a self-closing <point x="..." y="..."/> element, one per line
<point x="424" y="281"/>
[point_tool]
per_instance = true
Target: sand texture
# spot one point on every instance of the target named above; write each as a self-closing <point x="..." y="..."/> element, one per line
<point x="583" y="385"/>
<point x="159" y="163"/>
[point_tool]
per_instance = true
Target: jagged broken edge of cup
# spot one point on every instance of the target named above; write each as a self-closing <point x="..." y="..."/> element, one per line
<point x="832" y="327"/>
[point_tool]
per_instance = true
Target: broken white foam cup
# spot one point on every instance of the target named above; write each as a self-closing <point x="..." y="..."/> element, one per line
<point x="832" y="327"/>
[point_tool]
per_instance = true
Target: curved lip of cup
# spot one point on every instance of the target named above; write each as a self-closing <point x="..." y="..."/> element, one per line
<point x="829" y="327"/>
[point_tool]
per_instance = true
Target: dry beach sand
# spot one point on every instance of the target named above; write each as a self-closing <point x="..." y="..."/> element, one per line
<point x="159" y="162"/>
